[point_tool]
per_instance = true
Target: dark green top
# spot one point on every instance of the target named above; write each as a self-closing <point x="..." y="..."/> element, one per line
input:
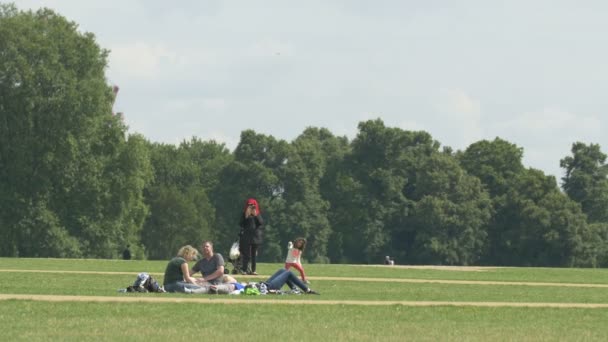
<point x="173" y="272"/>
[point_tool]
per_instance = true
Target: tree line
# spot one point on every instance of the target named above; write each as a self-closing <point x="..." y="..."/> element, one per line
<point x="75" y="183"/>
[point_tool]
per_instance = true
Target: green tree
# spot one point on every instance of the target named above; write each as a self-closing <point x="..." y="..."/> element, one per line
<point x="180" y="210"/>
<point x="586" y="180"/>
<point x="371" y="200"/>
<point x="538" y="225"/>
<point x="210" y="157"/>
<point x="306" y="212"/>
<point x="178" y="217"/>
<point x="259" y="161"/>
<point x="60" y="143"/>
<point x="534" y="224"/>
<point x="451" y="216"/>
<point x="495" y="163"/>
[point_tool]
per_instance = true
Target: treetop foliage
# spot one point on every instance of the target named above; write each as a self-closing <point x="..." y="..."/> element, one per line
<point x="75" y="183"/>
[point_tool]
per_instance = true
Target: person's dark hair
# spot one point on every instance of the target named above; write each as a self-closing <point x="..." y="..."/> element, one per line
<point x="295" y="243"/>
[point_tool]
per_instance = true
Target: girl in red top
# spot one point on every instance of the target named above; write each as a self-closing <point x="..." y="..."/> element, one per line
<point x="294" y="252"/>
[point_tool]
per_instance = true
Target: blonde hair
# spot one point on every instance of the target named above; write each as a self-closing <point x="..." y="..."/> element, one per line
<point x="186" y="250"/>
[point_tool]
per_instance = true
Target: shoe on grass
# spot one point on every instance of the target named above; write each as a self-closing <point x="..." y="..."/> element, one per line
<point x="312" y="292"/>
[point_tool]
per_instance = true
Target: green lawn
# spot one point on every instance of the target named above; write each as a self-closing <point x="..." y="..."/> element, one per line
<point x="513" y="274"/>
<point x="77" y="321"/>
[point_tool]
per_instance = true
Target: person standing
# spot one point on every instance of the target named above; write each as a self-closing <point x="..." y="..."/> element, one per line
<point x="250" y="236"/>
<point x="126" y="254"/>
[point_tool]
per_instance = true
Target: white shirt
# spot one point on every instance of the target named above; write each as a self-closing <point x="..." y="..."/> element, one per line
<point x="293" y="254"/>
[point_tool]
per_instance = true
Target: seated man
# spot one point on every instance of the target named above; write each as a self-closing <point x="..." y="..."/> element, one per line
<point x="211" y="267"/>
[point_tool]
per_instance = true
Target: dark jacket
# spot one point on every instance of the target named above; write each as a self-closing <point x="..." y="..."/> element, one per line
<point x="252" y="230"/>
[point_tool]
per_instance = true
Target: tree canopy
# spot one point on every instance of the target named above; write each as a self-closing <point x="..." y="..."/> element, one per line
<point x="75" y="183"/>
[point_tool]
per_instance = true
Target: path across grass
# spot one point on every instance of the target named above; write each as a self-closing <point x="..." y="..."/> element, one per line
<point x="224" y="300"/>
<point x="55" y="299"/>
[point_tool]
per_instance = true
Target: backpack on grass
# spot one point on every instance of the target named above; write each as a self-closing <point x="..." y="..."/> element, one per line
<point x="145" y="283"/>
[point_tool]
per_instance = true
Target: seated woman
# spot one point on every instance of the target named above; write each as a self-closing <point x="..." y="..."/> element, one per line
<point x="177" y="274"/>
<point x="282" y="277"/>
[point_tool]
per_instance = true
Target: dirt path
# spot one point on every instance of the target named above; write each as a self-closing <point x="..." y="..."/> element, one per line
<point x="224" y="300"/>
<point x="393" y="280"/>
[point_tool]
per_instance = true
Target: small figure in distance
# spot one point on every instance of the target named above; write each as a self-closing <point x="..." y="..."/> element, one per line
<point x="388" y="260"/>
<point x="126" y="254"/>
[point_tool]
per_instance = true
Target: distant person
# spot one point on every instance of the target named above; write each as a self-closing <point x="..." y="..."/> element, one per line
<point x="126" y="254"/>
<point x="177" y="274"/>
<point x="388" y="260"/>
<point x="250" y="236"/>
<point x="293" y="259"/>
<point x="211" y="266"/>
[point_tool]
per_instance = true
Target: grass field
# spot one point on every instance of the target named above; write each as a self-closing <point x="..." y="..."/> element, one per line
<point x="63" y="299"/>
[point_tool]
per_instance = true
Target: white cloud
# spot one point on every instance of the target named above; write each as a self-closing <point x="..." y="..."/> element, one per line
<point x="271" y="47"/>
<point x="547" y="135"/>
<point x="140" y="59"/>
<point x="460" y="117"/>
<point x="461" y="103"/>
<point x="552" y="123"/>
<point x="213" y="105"/>
<point x="221" y="137"/>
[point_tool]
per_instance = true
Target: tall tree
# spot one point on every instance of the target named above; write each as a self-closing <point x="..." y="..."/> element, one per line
<point x="451" y="214"/>
<point x="306" y="214"/>
<point x="372" y="189"/>
<point x="586" y="180"/>
<point x="60" y="143"/>
<point x="537" y="225"/>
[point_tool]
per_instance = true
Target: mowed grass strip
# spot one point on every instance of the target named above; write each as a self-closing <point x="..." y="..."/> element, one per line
<point x="207" y="300"/>
<point x="504" y="274"/>
<point x="43" y="321"/>
<point x="75" y="284"/>
<point x="246" y="278"/>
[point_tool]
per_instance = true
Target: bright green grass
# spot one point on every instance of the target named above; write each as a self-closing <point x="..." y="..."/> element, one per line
<point x="514" y="274"/>
<point x="78" y="321"/>
<point x="108" y="284"/>
<point x="42" y="321"/>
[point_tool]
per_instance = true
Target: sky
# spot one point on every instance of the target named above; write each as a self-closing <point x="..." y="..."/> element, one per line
<point x="531" y="72"/>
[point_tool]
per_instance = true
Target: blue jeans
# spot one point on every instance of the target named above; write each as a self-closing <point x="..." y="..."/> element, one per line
<point x="182" y="286"/>
<point x="282" y="277"/>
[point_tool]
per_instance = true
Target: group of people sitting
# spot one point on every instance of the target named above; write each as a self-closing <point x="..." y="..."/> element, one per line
<point x="179" y="277"/>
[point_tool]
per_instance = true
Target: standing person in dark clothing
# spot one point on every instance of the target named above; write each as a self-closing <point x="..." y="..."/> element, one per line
<point x="251" y="235"/>
<point x="126" y="254"/>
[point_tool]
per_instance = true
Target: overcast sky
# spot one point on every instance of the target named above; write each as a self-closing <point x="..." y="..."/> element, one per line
<point x="534" y="73"/>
